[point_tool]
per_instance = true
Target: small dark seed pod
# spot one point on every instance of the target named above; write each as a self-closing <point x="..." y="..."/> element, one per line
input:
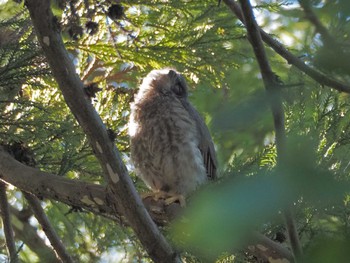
<point x="116" y="11"/>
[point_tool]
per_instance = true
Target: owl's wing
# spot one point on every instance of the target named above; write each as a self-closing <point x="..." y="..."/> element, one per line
<point x="206" y="145"/>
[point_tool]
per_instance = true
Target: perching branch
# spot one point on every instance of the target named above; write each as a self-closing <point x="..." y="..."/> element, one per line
<point x="291" y="59"/>
<point x="6" y="221"/>
<point x="48" y="229"/>
<point x="123" y="193"/>
<point x="94" y="199"/>
<point x="273" y="89"/>
<point x="90" y="197"/>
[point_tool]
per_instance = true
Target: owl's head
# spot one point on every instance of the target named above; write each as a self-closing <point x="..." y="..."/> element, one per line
<point x="165" y="81"/>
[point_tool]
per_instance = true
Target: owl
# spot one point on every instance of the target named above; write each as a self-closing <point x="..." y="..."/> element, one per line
<point x="171" y="147"/>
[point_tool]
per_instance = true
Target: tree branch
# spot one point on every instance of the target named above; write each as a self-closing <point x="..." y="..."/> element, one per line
<point x="270" y="81"/>
<point x="273" y="89"/>
<point x="28" y="234"/>
<point x="311" y="16"/>
<point x="265" y="248"/>
<point x="123" y="193"/>
<point x="5" y="216"/>
<point x="48" y="229"/>
<point x="291" y="59"/>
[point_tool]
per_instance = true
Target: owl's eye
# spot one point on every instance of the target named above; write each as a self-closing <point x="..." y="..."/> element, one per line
<point x="179" y="90"/>
<point x="178" y="86"/>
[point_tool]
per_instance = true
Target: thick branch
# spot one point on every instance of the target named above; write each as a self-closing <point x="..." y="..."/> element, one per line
<point x="125" y="197"/>
<point x="293" y="60"/>
<point x="91" y="197"/>
<point x="273" y="89"/>
<point x="5" y="216"/>
<point x="48" y="229"/>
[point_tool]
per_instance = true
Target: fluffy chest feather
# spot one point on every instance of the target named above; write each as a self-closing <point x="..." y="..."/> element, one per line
<point x="164" y="145"/>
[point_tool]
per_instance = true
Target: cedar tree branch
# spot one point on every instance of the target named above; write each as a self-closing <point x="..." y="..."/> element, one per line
<point x="273" y="90"/>
<point x="291" y="59"/>
<point x="124" y="195"/>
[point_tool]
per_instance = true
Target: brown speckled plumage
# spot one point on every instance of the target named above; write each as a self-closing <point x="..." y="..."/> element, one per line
<point x="171" y="147"/>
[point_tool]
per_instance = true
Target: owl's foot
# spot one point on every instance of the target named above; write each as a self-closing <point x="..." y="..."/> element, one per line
<point x="176" y="197"/>
<point x="155" y="195"/>
<point x="168" y="198"/>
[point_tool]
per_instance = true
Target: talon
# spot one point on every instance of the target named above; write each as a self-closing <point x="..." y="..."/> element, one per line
<point x="146" y="195"/>
<point x="174" y="198"/>
<point x="169" y="198"/>
<point x="155" y="195"/>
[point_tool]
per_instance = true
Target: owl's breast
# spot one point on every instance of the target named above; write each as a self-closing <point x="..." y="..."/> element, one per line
<point x="164" y="146"/>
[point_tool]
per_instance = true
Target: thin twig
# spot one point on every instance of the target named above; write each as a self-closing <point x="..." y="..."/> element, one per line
<point x="30" y="238"/>
<point x="5" y="216"/>
<point x="47" y="228"/>
<point x="291" y="59"/>
<point x="272" y="87"/>
<point x="312" y="17"/>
